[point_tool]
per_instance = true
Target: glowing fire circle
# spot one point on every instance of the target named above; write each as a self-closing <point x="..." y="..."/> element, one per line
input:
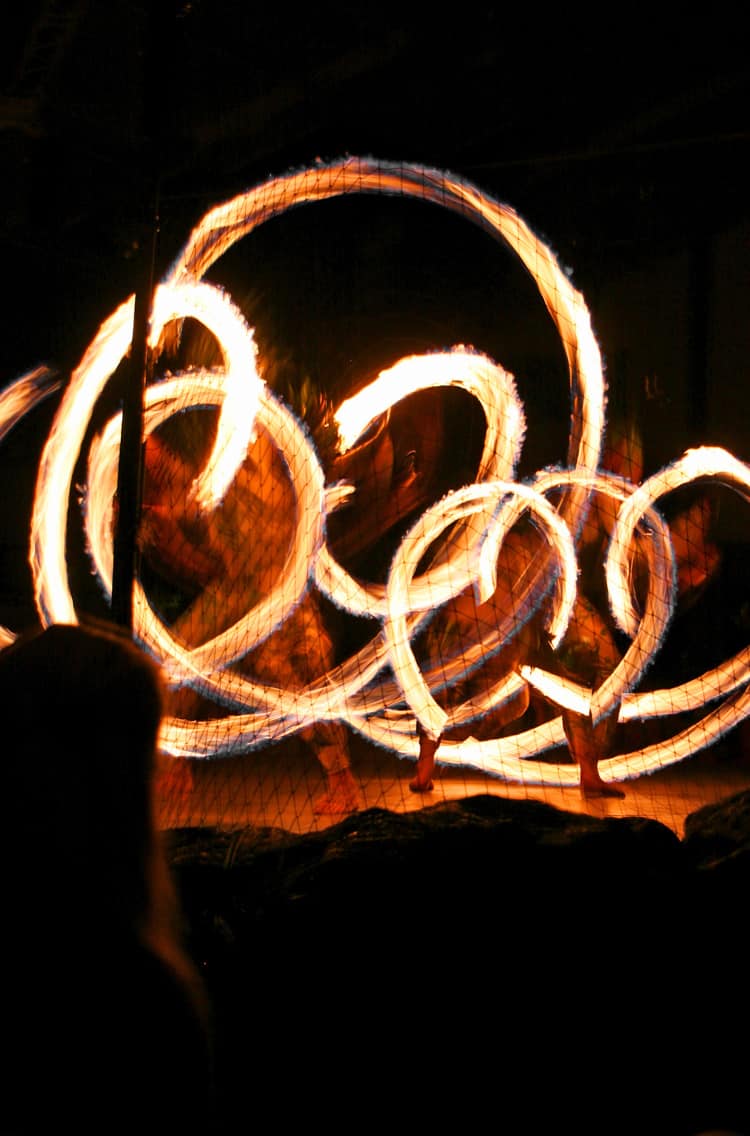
<point x="383" y="709"/>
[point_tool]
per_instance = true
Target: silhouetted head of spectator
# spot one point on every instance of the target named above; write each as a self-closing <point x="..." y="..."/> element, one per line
<point x="81" y="708"/>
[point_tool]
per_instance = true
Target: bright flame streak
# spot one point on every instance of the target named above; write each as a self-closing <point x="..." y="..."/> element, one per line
<point x="49" y="520"/>
<point x="492" y="756"/>
<point x="307" y="479"/>
<point x="720" y="682"/>
<point x="495" y="391"/>
<point x="493" y="387"/>
<point x="562" y="691"/>
<point x="704" y="462"/>
<point x="229" y="222"/>
<point x="493" y="697"/>
<point x="506" y="758"/>
<point x="197" y="665"/>
<point x="659" y="607"/>
<point x="234" y="432"/>
<point x="16" y="401"/>
<point x="106" y="352"/>
<point x="281" y="712"/>
<point x="416" y="542"/>
<point x="23" y="395"/>
<point x="356" y="691"/>
<point x="233" y="220"/>
<point x="681" y="745"/>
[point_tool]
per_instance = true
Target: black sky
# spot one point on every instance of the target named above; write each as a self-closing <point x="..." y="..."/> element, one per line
<point x="624" y="146"/>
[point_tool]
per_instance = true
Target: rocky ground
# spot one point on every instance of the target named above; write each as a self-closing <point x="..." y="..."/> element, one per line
<point x="485" y="960"/>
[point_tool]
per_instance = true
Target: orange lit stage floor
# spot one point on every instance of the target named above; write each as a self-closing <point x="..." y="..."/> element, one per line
<point x="277" y="787"/>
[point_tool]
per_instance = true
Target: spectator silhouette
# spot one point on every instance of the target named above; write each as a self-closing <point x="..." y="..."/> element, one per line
<point x="107" y="1024"/>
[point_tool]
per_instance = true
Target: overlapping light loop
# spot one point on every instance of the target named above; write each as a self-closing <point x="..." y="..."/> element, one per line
<point x="381" y="691"/>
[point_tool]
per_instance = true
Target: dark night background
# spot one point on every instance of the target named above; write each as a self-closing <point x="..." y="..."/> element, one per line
<point x="608" y="980"/>
<point x="623" y="147"/>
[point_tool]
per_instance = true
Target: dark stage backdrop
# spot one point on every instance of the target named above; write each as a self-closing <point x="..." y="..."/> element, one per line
<point x="396" y="195"/>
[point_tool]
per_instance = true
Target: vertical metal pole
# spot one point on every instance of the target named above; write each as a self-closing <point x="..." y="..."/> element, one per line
<point x="130" y="469"/>
<point x="139" y="364"/>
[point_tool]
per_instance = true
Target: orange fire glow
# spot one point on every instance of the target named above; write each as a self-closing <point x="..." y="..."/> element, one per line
<point x="478" y="515"/>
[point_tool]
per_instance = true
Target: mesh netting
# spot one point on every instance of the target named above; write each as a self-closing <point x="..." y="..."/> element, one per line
<point x="382" y="505"/>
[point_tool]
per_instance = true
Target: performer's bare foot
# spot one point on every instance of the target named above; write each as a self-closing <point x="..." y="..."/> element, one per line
<point x="587" y="743"/>
<point x="592" y="784"/>
<point x="341" y="797"/>
<point x="422" y="782"/>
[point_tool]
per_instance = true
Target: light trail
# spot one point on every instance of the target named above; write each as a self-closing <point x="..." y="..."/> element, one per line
<point x="380" y="691"/>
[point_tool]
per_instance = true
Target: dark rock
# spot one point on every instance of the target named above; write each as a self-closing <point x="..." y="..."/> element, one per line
<point x="485" y="945"/>
<point x="718" y="836"/>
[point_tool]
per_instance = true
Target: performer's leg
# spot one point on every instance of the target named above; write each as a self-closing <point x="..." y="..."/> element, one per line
<point x="422" y="782"/>
<point x="341" y="795"/>
<point x="587" y="744"/>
